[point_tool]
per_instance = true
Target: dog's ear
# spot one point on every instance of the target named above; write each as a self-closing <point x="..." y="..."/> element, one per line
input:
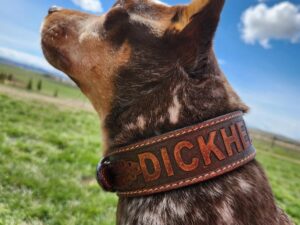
<point x="116" y="25"/>
<point x="115" y="18"/>
<point x="196" y="23"/>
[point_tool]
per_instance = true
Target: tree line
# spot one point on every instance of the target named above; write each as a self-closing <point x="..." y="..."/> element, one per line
<point x="39" y="87"/>
<point x="10" y="78"/>
<point x="6" y="77"/>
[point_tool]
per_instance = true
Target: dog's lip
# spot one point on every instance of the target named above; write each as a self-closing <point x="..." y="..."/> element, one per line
<point x="52" y="41"/>
<point x="55" y="56"/>
<point x="54" y="33"/>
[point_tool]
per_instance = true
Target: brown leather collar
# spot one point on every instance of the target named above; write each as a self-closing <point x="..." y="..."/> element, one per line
<point x="179" y="158"/>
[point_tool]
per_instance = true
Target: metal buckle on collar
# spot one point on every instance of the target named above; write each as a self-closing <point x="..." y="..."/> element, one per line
<point x="103" y="175"/>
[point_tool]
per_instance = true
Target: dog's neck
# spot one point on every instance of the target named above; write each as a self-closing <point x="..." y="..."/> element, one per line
<point x="160" y="101"/>
<point x="154" y="99"/>
<point x="145" y="109"/>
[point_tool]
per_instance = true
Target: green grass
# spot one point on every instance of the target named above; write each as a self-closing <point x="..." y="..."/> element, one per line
<point x="47" y="165"/>
<point x="49" y="85"/>
<point x="283" y="174"/>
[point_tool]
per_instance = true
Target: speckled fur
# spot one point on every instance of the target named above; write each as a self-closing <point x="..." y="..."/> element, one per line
<point x="148" y="88"/>
<point x="169" y="78"/>
<point x="242" y="197"/>
<point x="222" y="201"/>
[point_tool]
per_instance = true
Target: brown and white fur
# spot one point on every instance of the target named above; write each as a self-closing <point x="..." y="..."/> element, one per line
<point x="149" y="68"/>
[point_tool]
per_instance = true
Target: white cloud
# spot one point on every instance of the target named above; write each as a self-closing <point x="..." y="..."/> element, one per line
<point x="27" y="59"/>
<point x="89" y="5"/>
<point x="261" y="23"/>
<point x="160" y="2"/>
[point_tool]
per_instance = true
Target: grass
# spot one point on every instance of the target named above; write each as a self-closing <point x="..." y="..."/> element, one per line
<point x="49" y="85"/>
<point x="282" y="168"/>
<point x="47" y="165"/>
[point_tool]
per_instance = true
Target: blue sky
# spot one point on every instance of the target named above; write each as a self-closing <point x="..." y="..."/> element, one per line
<point x="257" y="44"/>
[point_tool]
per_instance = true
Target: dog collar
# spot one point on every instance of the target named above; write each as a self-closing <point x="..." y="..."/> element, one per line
<point x="179" y="158"/>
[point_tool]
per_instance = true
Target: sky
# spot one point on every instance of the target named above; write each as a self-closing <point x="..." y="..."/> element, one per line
<point x="257" y="44"/>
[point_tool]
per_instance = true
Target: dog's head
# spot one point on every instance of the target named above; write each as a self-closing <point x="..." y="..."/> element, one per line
<point x="143" y="59"/>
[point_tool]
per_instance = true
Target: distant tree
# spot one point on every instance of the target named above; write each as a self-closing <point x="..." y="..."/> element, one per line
<point x="274" y="139"/>
<point x="39" y="85"/>
<point x="10" y="77"/>
<point x="55" y="94"/>
<point x="2" y="77"/>
<point x="29" y="85"/>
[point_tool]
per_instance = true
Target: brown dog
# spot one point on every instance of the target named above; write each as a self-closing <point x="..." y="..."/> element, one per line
<point x="149" y="68"/>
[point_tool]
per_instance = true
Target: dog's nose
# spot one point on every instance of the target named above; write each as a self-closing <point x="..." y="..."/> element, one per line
<point x="53" y="9"/>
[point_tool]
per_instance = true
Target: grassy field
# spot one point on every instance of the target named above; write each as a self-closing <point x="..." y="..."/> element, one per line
<point x="49" y="85"/>
<point x="282" y="168"/>
<point x="47" y="166"/>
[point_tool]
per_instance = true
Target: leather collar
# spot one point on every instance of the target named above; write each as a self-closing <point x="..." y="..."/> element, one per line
<point x="179" y="158"/>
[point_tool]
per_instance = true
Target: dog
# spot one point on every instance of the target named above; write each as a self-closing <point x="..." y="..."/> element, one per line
<point x="149" y="68"/>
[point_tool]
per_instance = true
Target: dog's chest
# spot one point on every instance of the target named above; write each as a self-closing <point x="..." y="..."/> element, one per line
<point x="233" y="199"/>
<point x="180" y="208"/>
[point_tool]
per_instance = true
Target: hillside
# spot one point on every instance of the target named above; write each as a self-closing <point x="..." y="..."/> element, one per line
<point x="50" y="85"/>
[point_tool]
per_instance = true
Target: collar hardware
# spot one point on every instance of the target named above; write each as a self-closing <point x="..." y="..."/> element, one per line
<point x="103" y="175"/>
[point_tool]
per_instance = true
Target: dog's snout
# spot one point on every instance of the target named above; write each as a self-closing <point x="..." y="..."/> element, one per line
<point x="53" y="9"/>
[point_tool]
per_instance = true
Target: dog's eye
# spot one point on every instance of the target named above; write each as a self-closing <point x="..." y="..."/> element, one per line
<point x="117" y="5"/>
